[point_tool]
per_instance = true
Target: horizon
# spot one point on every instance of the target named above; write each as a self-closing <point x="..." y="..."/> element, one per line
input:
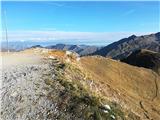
<point x="65" y="42"/>
<point x="95" y="23"/>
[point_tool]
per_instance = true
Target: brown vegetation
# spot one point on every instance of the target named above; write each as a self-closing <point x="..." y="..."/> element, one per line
<point x="136" y="89"/>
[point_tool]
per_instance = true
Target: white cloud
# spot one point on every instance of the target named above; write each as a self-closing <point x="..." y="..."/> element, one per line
<point x="72" y="36"/>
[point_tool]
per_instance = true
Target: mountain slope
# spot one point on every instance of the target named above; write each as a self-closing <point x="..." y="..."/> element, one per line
<point x="144" y="58"/>
<point x="126" y="46"/>
<point x="136" y="89"/>
<point x="52" y="84"/>
<point x="48" y="88"/>
<point x="80" y="49"/>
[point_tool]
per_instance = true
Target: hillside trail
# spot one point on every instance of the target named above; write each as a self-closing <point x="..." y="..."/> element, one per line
<point x="31" y="88"/>
<point x="23" y="89"/>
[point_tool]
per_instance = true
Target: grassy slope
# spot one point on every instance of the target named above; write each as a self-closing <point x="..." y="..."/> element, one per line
<point x="83" y="88"/>
<point x="68" y="89"/>
<point x="134" y="88"/>
<point x="78" y="100"/>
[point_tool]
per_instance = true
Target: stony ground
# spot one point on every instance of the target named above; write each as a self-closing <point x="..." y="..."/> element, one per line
<point x="24" y="92"/>
<point x="39" y="90"/>
<point x="35" y="88"/>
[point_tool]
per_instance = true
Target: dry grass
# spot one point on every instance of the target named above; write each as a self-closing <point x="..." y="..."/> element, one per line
<point x="125" y="84"/>
<point x="85" y="84"/>
<point x="57" y="53"/>
<point x="80" y="99"/>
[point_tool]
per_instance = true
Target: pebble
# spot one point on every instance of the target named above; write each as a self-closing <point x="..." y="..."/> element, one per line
<point x="107" y="107"/>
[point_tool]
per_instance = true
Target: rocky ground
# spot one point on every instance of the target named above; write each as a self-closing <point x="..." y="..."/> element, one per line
<point x="48" y="90"/>
<point x="56" y="86"/>
<point x="24" y="92"/>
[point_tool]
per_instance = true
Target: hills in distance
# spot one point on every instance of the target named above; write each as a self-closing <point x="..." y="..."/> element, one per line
<point x="125" y="46"/>
<point x="116" y="50"/>
<point x="80" y="49"/>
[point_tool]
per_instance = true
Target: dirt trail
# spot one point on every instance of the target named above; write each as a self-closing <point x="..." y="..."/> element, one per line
<point x="23" y="87"/>
<point x="12" y="59"/>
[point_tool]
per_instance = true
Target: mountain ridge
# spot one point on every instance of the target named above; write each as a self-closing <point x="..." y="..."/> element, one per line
<point x="126" y="46"/>
<point x="80" y="49"/>
<point x="144" y="58"/>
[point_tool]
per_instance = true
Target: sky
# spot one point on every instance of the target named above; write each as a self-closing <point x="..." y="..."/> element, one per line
<point x="74" y="22"/>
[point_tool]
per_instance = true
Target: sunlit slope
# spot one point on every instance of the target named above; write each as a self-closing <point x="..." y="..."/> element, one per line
<point x="131" y="86"/>
<point x="80" y="87"/>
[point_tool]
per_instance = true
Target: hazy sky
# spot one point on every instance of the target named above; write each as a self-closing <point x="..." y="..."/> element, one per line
<point x="86" y="21"/>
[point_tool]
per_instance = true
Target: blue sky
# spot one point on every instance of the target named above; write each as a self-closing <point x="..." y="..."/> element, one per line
<point x="80" y="20"/>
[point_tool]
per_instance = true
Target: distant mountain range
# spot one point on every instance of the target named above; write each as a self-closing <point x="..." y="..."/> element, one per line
<point x="117" y="50"/>
<point x="124" y="47"/>
<point x="80" y="49"/>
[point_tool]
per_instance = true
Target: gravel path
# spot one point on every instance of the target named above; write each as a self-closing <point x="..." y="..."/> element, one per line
<point x="24" y="93"/>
